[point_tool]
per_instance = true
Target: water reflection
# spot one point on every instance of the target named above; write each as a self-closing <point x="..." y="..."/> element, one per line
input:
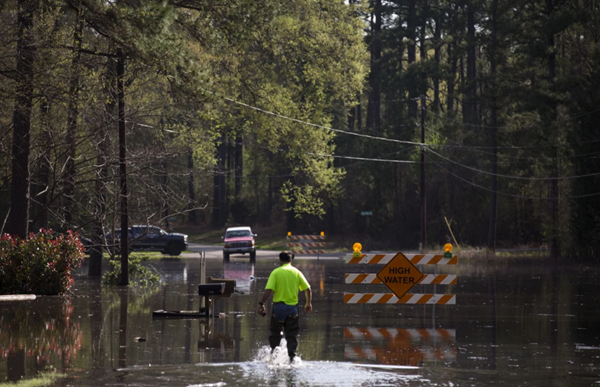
<point x="397" y="346"/>
<point x="515" y="323"/>
<point x="37" y="336"/>
<point x="241" y="272"/>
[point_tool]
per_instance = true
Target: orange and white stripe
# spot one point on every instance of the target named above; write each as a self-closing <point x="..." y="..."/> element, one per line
<point x="427" y="279"/>
<point x="302" y="237"/>
<point x="386" y="334"/>
<point x="390" y="298"/>
<point x="415" y="259"/>
<point x="358" y="352"/>
<point x="306" y="244"/>
<point x="308" y="252"/>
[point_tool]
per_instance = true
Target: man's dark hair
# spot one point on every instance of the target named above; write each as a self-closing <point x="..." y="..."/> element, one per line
<point x="284" y="256"/>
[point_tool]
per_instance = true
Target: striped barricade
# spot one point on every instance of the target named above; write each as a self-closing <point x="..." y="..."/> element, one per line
<point x="400" y="274"/>
<point x="427" y="279"/>
<point x="306" y="244"/>
<point x="415" y="259"/>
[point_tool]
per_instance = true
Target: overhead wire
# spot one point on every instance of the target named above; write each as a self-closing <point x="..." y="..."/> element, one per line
<point x="509" y="194"/>
<point x="501" y="127"/>
<point x="322" y="126"/>
<point x="385" y="138"/>
<point x="428" y="146"/>
<point x="502" y="155"/>
<point x="512" y="176"/>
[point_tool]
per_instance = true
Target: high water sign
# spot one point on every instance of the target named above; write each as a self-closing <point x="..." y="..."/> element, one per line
<point x="400" y="275"/>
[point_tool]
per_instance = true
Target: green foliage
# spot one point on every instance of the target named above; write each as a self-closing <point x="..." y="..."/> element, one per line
<point x="139" y="275"/>
<point x="41" y="264"/>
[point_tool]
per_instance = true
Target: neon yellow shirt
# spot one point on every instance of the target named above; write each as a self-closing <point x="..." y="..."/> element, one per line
<point x="285" y="282"/>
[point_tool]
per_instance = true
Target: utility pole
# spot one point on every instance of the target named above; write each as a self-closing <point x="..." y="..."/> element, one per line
<point x="123" y="192"/>
<point x="423" y="196"/>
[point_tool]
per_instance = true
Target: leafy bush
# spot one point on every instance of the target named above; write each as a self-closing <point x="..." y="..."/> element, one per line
<point x="41" y="264"/>
<point x="139" y="274"/>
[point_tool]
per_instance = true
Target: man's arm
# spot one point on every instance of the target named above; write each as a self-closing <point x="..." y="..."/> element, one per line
<point x="261" y="304"/>
<point x="308" y="306"/>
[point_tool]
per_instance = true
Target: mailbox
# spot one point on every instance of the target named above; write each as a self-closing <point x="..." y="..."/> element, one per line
<point x="229" y="285"/>
<point x="214" y="289"/>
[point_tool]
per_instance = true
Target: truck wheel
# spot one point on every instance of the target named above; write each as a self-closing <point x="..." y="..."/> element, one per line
<point x="225" y="256"/>
<point x="174" y="249"/>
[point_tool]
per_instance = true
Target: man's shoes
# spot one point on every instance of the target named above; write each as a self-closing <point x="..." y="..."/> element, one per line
<point x="292" y="358"/>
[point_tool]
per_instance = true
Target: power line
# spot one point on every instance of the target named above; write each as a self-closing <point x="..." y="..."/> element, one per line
<point x="485" y="151"/>
<point x="322" y="126"/>
<point x="384" y="138"/>
<point x="507" y="126"/>
<point x="513" y="177"/>
<point x="509" y="194"/>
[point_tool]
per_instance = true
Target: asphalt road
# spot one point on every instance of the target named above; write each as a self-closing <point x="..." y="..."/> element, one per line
<point x="216" y="251"/>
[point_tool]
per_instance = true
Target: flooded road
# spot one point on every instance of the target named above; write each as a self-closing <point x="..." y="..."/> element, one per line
<point x="516" y="322"/>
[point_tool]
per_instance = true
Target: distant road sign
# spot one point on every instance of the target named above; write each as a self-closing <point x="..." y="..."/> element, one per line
<point x="400" y="275"/>
<point x="366" y="213"/>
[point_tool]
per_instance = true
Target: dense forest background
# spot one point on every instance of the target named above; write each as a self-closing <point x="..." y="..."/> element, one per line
<point x="476" y="116"/>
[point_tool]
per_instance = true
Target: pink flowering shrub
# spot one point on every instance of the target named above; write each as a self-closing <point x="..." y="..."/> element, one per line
<point x="41" y="264"/>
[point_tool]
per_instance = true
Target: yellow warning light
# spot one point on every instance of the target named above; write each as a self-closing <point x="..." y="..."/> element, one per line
<point x="322" y="233"/>
<point x="448" y="250"/>
<point x="357" y="247"/>
<point x="289" y="233"/>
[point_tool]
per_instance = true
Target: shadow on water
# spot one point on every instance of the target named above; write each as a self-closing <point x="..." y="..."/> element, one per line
<point x="515" y="322"/>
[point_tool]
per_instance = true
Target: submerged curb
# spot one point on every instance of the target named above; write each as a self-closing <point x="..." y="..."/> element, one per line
<point x="17" y="297"/>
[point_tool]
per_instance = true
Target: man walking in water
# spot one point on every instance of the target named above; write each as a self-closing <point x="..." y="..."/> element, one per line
<point x="284" y="283"/>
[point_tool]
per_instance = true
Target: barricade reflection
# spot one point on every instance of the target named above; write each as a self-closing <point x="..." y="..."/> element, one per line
<point x="397" y="346"/>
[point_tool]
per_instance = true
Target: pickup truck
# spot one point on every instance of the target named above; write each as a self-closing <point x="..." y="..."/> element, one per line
<point x="239" y="240"/>
<point x="152" y="238"/>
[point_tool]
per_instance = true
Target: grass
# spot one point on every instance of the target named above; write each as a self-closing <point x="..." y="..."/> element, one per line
<point x="43" y="379"/>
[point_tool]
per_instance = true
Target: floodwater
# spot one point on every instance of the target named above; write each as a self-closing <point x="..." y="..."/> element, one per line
<point x="516" y="322"/>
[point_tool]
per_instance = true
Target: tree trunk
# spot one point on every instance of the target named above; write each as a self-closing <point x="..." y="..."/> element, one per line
<point x="493" y="47"/>
<point x="374" y="107"/>
<point x="238" y="165"/>
<point x="192" y="215"/>
<point x="40" y="185"/>
<point x="554" y="234"/>
<point x="102" y="141"/>
<point x="437" y="41"/>
<point x="469" y="104"/>
<point x="453" y="61"/>
<point x="18" y="217"/>
<point x="123" y="193"/>
<point x="219" y="192"/>
<point x="164" y="185"/>
<point x="411" y="50"/>
<point x="71" y="135"/>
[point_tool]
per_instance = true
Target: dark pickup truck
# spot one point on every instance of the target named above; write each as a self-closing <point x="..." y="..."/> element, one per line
<point x="152" y="238"/>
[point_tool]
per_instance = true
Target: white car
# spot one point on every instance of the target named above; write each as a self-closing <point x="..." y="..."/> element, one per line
<point x="239" y="240"/>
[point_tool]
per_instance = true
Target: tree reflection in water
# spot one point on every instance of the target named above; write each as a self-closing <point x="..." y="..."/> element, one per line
<point x="38" y="336"/>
